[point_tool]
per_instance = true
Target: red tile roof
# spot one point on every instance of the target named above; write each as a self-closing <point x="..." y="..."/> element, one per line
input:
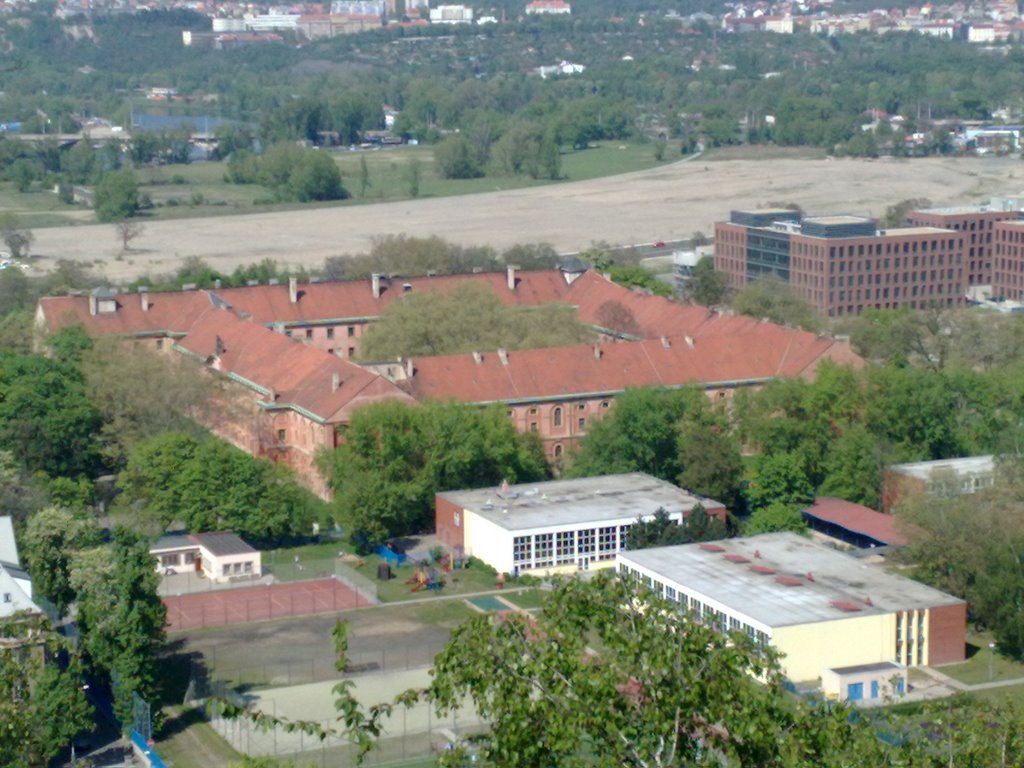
<point x="317" y="302"/>
<point x="294" y="374"/>
<point x="750" y="351"/>
<point x="857" y="519"/>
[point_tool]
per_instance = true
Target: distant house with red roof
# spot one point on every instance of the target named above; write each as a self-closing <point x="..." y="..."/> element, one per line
<point x="287" y="351"/>
<point x="854" y="524"/>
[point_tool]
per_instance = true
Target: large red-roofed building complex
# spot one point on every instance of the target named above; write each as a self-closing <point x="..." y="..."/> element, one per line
<point x="287" y="351"/>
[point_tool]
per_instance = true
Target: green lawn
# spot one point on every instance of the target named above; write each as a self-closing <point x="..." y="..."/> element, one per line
<point x="462" y="581"/>
<point x="190" y="742"/>
<point x="983" y="665"/>
<point x="199" y="189"/>
<point x="528" y="599"/>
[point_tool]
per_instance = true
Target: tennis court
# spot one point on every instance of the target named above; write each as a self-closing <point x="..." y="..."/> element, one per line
<point x="261" y="603"/>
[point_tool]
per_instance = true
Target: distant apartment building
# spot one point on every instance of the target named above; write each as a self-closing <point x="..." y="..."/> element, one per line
<point x="451" y="14"/>
<point x="1008" y="260"/>
<point x="843" y="264"/>
<point x="316" y="26"/>
<point x="548" y="7"/>
<point x="944" y="478"/>
<point x="361" y="7"/>
<point x="977" y="223"/>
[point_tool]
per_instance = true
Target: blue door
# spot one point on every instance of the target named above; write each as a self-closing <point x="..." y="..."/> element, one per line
<point x="899" y="687"/>
<point x="874" y="689"/>
<point x="855" y="692"/>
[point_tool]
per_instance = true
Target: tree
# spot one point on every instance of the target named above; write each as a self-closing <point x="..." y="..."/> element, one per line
<point x="46" y="420"/>
<point x="663" y="531"/>
<point x="662" y="691"/>
<point x="316" y="177"/>
<point x="140" y="393"/>
<point x="853" y="468"/>
<point x="640" y="434"/>
<point x="17" y="238"/>
<point x="117" y="196"/>
<point x="42" y="702"/>
<point x="120" y="616"/>
<point x="773" y="518"/>
<point x="635" y="276"/>
<point x="210" y="485"/>
<point x="20" y="494"/>
<point x="772" y="298"/>
<point x="364" y="176"/>
<point x="896" y="214"/>
<point x="51" y="539"/>
<point x="395" y="458"/>
<point x="127" y="231"/>
<point x="454" y="159"/>
<point x="413" y="173"/>
<point x="468" y="318"/>
<point x="780" y="478"/>
<point x="711" y="463"/>
<point x="706" y="286"/>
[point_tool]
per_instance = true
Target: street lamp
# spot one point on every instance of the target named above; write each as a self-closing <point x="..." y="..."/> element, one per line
<point x="991" y="655"/>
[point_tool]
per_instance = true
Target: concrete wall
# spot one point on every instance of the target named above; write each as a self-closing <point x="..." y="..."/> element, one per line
<point x="811" y="648"/>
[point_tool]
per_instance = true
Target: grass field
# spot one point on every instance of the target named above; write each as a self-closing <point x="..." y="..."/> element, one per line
<point x="984" y="665"/>
<point x="199" y="189"/>
<point x="529" y="599"/>
<point x="188" y="741"/>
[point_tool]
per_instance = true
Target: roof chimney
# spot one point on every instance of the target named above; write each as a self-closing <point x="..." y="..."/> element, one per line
<point x="511" y="273"/>
<point x="410" y="368"/>
<point x="293" y="290"/>
<point x="690" y="342"/>
<point x="216" y="284"/>
<point x="335" y="381"/>
<point x="503" y="356"/>
<point x="92" y="304"/>
<point x="597" y="351"/>
<point x="375" y="285"/>
<point x="477" y="358"/>
<point x="272" y="395"/>
<point x="666" y="343"/>
<point x="144" y="298"/>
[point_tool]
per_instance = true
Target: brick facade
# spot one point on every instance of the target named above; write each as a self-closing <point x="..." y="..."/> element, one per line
<point x="947" y="634"/>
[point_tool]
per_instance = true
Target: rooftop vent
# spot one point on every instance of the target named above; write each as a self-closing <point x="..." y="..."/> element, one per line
<point x="762" y="569"/>
<point x="736" y="559"/>
<point x="789" y="581"/>
<point x="842" y="605"/>
<point x="273" y="281"/>
<point x="712" y="548"/>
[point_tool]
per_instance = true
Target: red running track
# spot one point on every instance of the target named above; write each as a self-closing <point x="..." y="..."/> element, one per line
<point x="262" y="603"/>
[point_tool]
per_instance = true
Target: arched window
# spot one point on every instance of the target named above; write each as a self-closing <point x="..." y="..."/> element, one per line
<point x="556" y="417"/>
<point x="558" y="451"/>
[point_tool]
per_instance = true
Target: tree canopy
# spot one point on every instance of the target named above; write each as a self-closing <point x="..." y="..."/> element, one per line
<point x="209" y="485"/>
<point x="396" y="457"/>
<point x="468" y="318"/>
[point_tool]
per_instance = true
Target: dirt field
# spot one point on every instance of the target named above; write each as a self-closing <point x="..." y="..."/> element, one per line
<point x="665" y="203"/>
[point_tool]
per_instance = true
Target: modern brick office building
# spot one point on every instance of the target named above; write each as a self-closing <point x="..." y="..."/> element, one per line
<point x="977" y="223"/>
<point x="1008" y="260"/>
<point x="843" y="264"/>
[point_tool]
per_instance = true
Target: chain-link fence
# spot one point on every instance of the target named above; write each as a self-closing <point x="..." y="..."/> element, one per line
<point x="321" y="668"/>
<point x="409" y="732"/>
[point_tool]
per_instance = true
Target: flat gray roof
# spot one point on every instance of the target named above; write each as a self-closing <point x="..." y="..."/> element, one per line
<point x="581" y="501"/>
<point x="919" y="231"/>
<point x="881" y="666"/>
<point x="824" y="583"/>
<point x="838" y="219"/>
<point x="970" y="465"/>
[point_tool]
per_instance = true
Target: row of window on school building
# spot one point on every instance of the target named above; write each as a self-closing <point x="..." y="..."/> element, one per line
<point x="702" y="612"/>
<point x="581" y="547"/>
